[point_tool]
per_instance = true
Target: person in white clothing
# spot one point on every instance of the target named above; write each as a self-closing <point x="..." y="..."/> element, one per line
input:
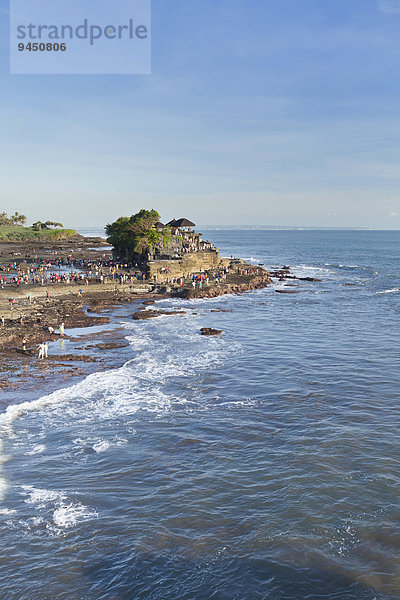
<point x="41" y="351"/>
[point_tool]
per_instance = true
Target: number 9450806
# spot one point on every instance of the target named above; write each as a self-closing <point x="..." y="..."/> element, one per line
<point x="36" y="47"/>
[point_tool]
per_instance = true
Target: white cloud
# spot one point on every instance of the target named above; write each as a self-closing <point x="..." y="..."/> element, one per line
<point x="389" y="6"/>
<point x="394" y="214"/>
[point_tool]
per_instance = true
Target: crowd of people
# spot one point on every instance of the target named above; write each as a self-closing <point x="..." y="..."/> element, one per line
<point x="194" y="243"/>
<point x="67" y="272"/>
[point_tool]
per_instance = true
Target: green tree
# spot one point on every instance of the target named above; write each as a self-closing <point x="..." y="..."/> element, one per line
<point x="50" y="224"/>
<point x="18" y="220"/>
<point x="15" y="220"/>
<point x="136" y="234"/>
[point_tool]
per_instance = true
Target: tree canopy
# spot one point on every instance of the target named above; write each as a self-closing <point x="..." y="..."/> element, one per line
<point x="15" y="220"/>
<point x="136" y="234"/>
<point x="38" y="226"/>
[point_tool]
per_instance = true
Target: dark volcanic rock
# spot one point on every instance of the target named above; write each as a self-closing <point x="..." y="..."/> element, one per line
<point x="143" y="315"/>
<point x="308" y="279"/>
<point x="287" y="291"/>
<point x="210" y="331"/>
<point x="111" y="345"/>
<point x="72" y="358"/>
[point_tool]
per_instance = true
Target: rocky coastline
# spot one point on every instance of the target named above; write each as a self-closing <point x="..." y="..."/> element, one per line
<point x="36" y="308"/>
<point x="31" y="322"/>
<point x="32" y="314"/>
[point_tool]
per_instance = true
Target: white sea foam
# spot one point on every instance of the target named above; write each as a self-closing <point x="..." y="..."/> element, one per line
<point x="3" y="482"/>
<point x="309" y="270"/>
<point x="7" y="511"/>
<point x="41" y="497"/>
<point x="161" y="352"/>
<point x="101" y="446"/>
<point x="55" y="508"/>
<point x="171" y="350"/>
<point x="390" y="291"/>
<point x="69" y="515"/>
<point x="253" y="260"/>
<point x="98" y="445"/>
<point x="342" y="266"/>
<point x="37" y="449"/>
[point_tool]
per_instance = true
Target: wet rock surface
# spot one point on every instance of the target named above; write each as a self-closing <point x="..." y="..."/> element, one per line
<point x="210" y="331"/>
<point x="143" y="315"/>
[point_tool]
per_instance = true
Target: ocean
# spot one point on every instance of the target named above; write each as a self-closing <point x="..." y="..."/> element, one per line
<point x="260" y="465"/>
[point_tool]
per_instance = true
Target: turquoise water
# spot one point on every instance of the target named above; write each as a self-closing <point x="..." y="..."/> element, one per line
<point x="260" y="465"/>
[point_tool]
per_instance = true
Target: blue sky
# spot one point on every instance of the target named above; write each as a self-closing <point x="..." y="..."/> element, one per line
<point x="256" y="112"/>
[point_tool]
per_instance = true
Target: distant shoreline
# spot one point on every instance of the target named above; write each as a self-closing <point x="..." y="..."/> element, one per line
<point x="90" y="230"/>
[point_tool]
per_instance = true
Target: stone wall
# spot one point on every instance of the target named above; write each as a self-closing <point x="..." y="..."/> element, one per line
<point x="194" y="262"/>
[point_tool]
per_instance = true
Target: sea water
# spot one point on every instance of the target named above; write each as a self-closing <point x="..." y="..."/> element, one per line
<point x="261" y="464"/>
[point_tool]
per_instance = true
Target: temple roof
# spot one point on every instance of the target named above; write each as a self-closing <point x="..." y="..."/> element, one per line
<point x="184" y="223"/>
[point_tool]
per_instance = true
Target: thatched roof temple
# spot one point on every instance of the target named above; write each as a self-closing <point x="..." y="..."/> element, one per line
<point x="181" y="223"/>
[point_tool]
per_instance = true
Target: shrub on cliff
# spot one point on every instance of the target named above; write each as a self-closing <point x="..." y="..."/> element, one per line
<point x="136" y="235"/>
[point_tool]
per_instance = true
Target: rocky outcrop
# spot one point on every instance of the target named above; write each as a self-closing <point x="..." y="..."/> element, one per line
<point x="193" y="262"/>
<point x="253" y="283"/>
<point x="143" y="315"/>
<point x="210" y="331"/>
<point x="309" y="279"/>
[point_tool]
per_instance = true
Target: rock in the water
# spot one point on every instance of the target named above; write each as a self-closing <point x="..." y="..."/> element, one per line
<point x="143" y="315"/>
<point x="112" y="345"/>
<point x="210" y="331"/>
<point x="308" y="279"/>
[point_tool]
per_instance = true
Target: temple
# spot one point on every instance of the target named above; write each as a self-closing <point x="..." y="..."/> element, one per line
<point x="185" y="252"/>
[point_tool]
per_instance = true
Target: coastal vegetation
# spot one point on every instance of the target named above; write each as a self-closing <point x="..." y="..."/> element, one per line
<point x="39" y="226"/>
<point x="12" y="229"/>
<point x="139" y="234"/>
<point x="15" y="220"/>
<point x="22" y="234"/>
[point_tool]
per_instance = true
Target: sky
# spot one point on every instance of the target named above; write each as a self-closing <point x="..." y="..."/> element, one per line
<point x="257" y="112"/>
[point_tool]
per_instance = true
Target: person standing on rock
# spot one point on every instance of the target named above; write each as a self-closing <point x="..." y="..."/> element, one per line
<point x="62" y="329"/>
<point x="45" y="349"/>
<point x="24" y="342"/>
